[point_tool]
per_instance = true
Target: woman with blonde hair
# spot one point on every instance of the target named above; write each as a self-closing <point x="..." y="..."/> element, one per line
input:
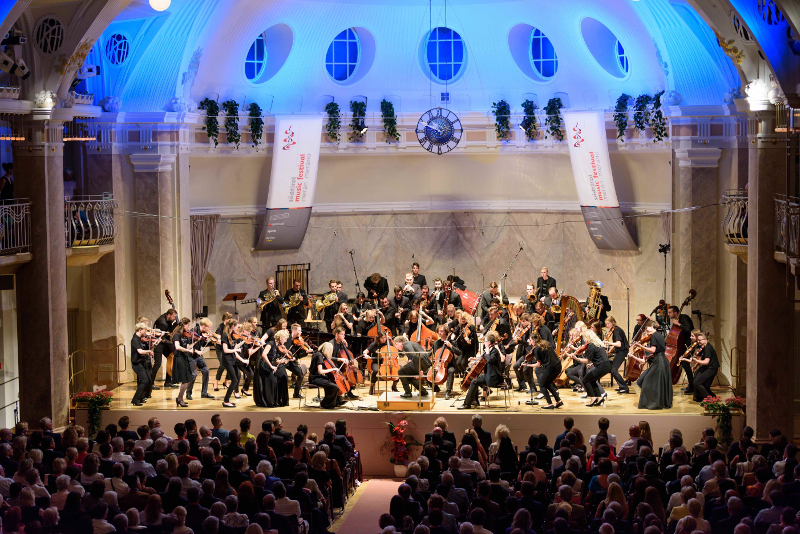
<point x="645" y="433"/>
<point x="615" y="494"/>
<point x="231" y="347"/>
<point x="596" y="360"/>
<point x="172" y="465"/>
<point x="501" y="431"/>
<point x="344" y="319"/>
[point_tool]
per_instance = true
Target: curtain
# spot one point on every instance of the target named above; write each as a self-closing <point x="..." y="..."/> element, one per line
<point x="204" y="230"/>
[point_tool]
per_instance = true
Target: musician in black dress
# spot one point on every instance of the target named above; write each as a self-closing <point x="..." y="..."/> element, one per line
<point x="231" y="348"/>
<point x="547" y="315"/>
<point x="685" y="323"/>
<point x="296" y="314"/>
<point x="294" y="366"/>
<point x="466" y="336"/>
<point x="167" y="322"/>
<point x="376" y="286"/>
<point x="444" y="341"/>
<point x="140" y="363"/>
<point x="280" y="355"/>
<point x="419" y="279"/>
<point x="417" y="360"/>
<point x="198" y="364"/>
<point x="595" y="355"/>
<point x="374" y="361"/>
<point x="265" y="383"/>
<point x="185" y="346"/>
<point x="272" y="311"/>
<point x="280" y="325"/>
<point x="544" y="283"/>
<point x="616" y="343"/>
<point x="492" y="374"/>
<point x="548" y="362"/>
<point x="220" y="354"/>
<point x="413" y="321"/>
<point x="707" y="359"/>
<point x="244" y="358"/>
<point x="655" y="382"/>
<point x="321" y="376"/>
<point x="521" y="347"/>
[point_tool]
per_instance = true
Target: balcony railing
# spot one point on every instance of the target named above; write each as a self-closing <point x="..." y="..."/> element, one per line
<point x="734" y="227"/>
<point x="787" y="225"/>
<point x="15" y="226"/>
<point x="89" y="220"/>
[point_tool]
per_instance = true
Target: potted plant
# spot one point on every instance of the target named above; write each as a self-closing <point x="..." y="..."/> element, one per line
<point x="231" y="108"/>
<point x="553" y="121"/>
<point x="359" y="110"/>
<point x="389" y="121"/>
<point x="621" y="115"/>
<point x="334" y="121"/>
<point x="528" y="124"/>
<point x="256" y="123"/>
<point x="723" y="411"/>
<point x="658" y="123"/>
<point x="94" y="402"/>
<point x="400" y="446"/>
<point x="641" y="112"/>
<point x="502" y="121"/>
<point x="211" y="108"/>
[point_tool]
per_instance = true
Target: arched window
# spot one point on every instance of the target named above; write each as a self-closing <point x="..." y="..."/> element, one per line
<point x="256" y="60"/>
<point x="445" y="54"/>
<point x="543" y="55"/>
<point x="343" y="55"/>
<point x="622" y="57"/>
<point x="117" y="49"/>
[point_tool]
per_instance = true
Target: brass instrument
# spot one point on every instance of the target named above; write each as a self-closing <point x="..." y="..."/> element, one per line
<point x="593" y="303"/>
<point x="328" y="300"/>
<point x="293" y="301"/>
<point x="262" y="303"/>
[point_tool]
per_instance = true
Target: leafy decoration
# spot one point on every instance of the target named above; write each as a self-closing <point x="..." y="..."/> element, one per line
<point x="359" y="110"/>
<point x="95" y="402"/>
<point x="399" y="444"/>
<point x="334" y="121"/>
<point x="389" y="121"/>
<point x="529" y="125"/>
<point x="212" y="125"/>
<point x="256" y="123"/>
<point x="641" y="112"/>
<point x="658" y="123"/>
<point x="553" y="121"/>
<point x="621" y="115"/>
<point x="231" y="108"/>
<point x="502" y="121"/>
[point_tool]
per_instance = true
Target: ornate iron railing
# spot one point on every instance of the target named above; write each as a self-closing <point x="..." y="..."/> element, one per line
<point x="734" y="226"/>
<point x="787" y="225"/>
<point x="89" y="220"/>
<point x="15" y="226"/>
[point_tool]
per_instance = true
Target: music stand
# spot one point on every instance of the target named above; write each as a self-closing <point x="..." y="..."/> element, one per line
<point x="234" y="297"/>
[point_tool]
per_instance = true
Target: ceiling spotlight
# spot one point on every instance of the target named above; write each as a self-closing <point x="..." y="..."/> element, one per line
<point x="160" y="5"/>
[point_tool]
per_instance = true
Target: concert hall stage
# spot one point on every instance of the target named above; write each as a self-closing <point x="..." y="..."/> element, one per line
<point x="366" y="423"/>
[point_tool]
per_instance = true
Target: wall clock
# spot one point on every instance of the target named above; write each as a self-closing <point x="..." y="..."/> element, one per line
<point x="439" y="130"/>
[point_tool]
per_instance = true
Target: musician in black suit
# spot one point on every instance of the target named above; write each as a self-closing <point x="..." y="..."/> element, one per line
<point x="493" y="319"/>
<point x="446" y="341"/>
<point x="166" y="323"/>
<point x="140" y="356"/>
<point x="446" y="297"/>
<point x="685" y="323"/>
<point x="709" y="365"/>
<point x="401" y="305"/>
<point x="411" y="289"/>
<point x="272" y="311"/>
<point x="340" y="298"/>
<point x="616" y="343"/>
<point x="417" y="360"/>
<point x="388" y="312"/>
<point x="492" y="374"/>
<point x="419" y="279"/>
<point x="544" y="283"/>
<point x="529" y="299"/>
<point x="488" y="295"/>
<point x="298" y="352"/>
<point x="376" y="286"/>
<point x="296" y="314"/>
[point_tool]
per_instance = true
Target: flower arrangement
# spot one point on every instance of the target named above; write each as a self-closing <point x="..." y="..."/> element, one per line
<point x="400" y="443"/>
<point x="716" y="406"/>
<point x="96" y="401"/>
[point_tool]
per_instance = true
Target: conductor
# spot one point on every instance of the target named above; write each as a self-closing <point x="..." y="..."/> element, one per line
<point x="417" y="359"/>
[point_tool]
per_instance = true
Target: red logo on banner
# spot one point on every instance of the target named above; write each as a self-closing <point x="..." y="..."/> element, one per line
<point x="577" y="136"/>
<point x="289" y="139"/>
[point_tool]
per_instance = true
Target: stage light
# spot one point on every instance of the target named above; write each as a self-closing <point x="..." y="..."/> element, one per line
<point x="160" y="5"/>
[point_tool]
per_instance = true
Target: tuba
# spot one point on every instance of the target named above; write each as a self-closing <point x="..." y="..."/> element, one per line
<point x="593" y="303"/>
<point x="327" y="300"/>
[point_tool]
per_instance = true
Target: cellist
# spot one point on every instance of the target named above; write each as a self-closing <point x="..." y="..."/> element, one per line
<point x="444" y="341"/>
<point x="371" y="352"/>
<point x="493" y="372"/>
<point x="339" y="344"/>
<point x="318" y="375"/>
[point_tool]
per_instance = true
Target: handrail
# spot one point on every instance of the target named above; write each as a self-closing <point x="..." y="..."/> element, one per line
<point x="89" y="363"/>
<point x="734" y="226"/>
<point x="89" y="220"/>
<point x="15" y="226"/>
<point x="787" y="225"/>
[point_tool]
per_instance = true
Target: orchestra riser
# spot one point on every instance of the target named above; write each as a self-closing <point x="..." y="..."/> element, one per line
<point x="367" y="424"/>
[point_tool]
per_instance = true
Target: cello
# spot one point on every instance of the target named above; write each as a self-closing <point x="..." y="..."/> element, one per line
<point x="424" y="336"/>
<point x="636" y="366"/>
<point x="437" y="374"/>
<point x="352" y="372"/>
<point x="676" y="342"/>
<point x="338" y="377"/>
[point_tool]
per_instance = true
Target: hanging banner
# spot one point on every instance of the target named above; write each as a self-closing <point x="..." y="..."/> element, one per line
<point x="295" y="156"/>
<point x="591" y="167"/>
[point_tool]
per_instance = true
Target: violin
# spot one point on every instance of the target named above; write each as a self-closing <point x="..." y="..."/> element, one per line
<point x="210" y="336"/>
<point x="300" y="342"/>
<point x="287" y="356"/>
<point x="191" y="334"/>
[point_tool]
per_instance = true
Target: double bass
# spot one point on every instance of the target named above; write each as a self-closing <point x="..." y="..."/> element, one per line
<point x="424" y="336"/>
<point x="676" y="342"/>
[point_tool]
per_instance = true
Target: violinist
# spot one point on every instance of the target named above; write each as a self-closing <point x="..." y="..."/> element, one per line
<point x="319" y="375"/>
<point x="418" y="360"/>
<point x="360" y="306"/>
<point x="376" y="286"/>
<point x="515" y="311"/>
<point x="521" y="346"/>
<point x="295" y="314"/>
<point x="546" y="360"/>
<point x="419" y="279"/>
<point x="444" y="341"/>
<point x="371" y="352"/>
<point x="616" y="343"/>
<point x="493" y="322"/>
<point x="451" y="316"/>
<point x="596" y="360"/>
<point x="706" y="358"/>
<point x="493" y="372"/>
<point x="428" y="302"/>
<point x="280" y="325"/>
<point x="140" y="363"/>
<point x="251" y="346"/>
<point x="529" y="299"/>
<point x="272" y="311"/>
<point x="198" y="363"/>
<point x="298" y="351"/>
<point x="265" y="381"/>
<point x="466" y="337"/>
<point x="232" y="348"/>
<point x="577" y="370"/>
<point x="279" y="355"/>
<point x="167" y="322"/>
<point x="344" y="319"/>
<point x="339" y="344"/>
<point x="655" y="382"/>
<point x="401" y="305"/>
<point x="387" y="312"/>
<point x="185" y="345"/>
<point x="220" y="354"/>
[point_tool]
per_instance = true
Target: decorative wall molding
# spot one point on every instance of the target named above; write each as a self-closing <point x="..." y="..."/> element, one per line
<point x="434" y="206"/>
<point x="698" y="157"/>
<point x="152" y="162"/>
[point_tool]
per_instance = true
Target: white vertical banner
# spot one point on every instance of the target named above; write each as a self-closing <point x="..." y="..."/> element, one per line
<point x="591" y="168"/>
<point x="295" y="157"/>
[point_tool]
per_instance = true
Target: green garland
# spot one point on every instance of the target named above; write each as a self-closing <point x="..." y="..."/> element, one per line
<point x="641" y="112"/>
<point x="359" y="110"/>
<point x="212" y="124"/>
<point x="256" y="123"/>
<point x="502" y="121"/>
<point x="658" y="122"/>
<point x="231" y="108"/>
<point x="334" y="121"/>
<point x="389" y="121"/>
<point x="529" y="107"/>
<point x="553" y="111"/>
<point x="621" y="115"/>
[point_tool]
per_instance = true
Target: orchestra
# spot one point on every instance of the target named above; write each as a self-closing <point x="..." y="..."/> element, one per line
<point x="423" y="338"/>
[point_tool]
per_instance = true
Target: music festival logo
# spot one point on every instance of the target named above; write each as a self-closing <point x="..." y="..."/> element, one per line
<point x="577" y="136"/>
<point x="289" y="139"/>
